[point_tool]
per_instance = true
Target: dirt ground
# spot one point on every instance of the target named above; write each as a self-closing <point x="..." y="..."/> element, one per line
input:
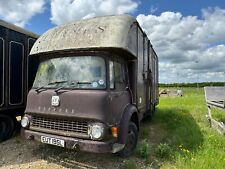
<point x="19" y="153"/>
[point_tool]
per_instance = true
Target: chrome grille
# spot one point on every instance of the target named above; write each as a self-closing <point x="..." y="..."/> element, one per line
<point x="80" y="127"/>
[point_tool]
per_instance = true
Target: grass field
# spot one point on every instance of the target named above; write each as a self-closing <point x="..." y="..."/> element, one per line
<point x="181" y="136"/>
<point x="178" y="137"/>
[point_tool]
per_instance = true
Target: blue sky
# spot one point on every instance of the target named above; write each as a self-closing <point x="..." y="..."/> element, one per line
<point x="191" y="7"/>
<point x="41" y="22"/>
<point x="183" y="33"/>
<point x="186" y="7"/>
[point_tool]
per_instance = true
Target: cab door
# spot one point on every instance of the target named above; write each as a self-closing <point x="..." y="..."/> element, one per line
<point x="119" y="95"/>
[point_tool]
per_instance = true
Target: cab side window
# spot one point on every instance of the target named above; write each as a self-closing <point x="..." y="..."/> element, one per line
<point x="118" y="69"/>
<point x="111" y="75"/>
<point x="117" y="76"/>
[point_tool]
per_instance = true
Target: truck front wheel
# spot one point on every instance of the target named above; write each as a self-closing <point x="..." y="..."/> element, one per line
<point x="6" y="127"/>
<point x="131" y="141"/>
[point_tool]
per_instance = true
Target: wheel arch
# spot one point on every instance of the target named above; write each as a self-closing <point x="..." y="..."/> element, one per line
<point x="130" y="114"/>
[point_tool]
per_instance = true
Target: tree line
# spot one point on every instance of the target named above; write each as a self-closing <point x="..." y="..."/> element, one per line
<point x="202" y="84"/>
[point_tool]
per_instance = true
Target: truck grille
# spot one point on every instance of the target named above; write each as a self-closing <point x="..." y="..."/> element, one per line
<point x="79" y="127"/>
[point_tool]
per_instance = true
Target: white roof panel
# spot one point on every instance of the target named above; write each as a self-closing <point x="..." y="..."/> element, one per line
<point x="99" y="32"/>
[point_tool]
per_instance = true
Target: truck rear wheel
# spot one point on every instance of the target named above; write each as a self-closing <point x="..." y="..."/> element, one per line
<point x="131" y="142"/>
<point x="6" y="127"/>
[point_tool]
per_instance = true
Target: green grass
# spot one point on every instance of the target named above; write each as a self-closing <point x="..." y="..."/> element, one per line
<point x="163" y="150"/>
<point x="144" y="149"/>
<point x="129" y="165"/>
<point x="180" y="123"/>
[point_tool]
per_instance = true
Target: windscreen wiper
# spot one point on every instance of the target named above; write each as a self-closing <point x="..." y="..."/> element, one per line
<point x="50" y="83"/>
<point x="72" y="83"/>
<point x="83" y="82"/>
<point x="62" y="87"/>
<point x="57" y="82"/>
<point x="38" y="89"/>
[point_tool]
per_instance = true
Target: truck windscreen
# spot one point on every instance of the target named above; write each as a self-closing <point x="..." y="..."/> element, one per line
<point x="87" y="72"/>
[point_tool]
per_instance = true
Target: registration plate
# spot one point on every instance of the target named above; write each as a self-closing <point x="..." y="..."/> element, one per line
<point x="53" y="141"/>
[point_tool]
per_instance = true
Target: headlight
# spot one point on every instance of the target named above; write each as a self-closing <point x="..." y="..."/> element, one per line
<point x="25" y="122"/>
<point x="96" y="131"/>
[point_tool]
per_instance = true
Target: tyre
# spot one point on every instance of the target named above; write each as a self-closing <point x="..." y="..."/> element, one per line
<point x="6" y="127"/>
<point x="131" y="142"/>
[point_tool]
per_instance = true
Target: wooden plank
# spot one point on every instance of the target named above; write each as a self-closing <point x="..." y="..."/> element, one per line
<point x="216" y="104"/>
<point x="219" y="126"/>
<point x="215" y="98"/>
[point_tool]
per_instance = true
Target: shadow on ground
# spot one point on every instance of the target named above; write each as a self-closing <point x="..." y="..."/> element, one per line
<point x="179" y="127"/>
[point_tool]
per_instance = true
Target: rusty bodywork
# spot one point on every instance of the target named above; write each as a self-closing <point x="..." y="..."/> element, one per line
<point x="120" y="56"/>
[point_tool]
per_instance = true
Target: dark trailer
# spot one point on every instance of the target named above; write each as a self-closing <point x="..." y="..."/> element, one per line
<point x="16" y="74"/>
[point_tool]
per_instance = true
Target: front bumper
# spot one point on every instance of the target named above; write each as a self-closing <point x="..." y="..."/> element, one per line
<point x="78" y="144"/>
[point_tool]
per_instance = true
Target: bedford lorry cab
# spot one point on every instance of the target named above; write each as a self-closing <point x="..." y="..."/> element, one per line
<point x="96" y="80"/>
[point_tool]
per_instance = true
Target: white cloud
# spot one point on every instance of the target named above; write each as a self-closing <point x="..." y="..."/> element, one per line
<point x="71" y="10"/>
<point x="153" y="9"/>
<point x="181" y="41"/>
<point x="19" y="12"/>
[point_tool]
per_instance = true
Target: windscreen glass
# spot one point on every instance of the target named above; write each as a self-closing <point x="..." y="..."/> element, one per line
<point x="72" y="72"/>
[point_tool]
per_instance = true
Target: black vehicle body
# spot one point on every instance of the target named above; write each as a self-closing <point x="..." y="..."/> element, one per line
<point x="17" y="72"/>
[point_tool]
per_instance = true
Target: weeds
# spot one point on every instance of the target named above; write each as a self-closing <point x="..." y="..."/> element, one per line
<point x="163" y="151"/>
<point x="144" y="150"/>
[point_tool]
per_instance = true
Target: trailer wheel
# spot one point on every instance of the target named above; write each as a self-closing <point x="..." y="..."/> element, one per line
<point x="6" y="127"/>
<point x="131" y="143"/>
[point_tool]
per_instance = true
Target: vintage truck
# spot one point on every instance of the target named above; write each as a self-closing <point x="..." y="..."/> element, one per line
<point x="17" y="72"/>
<point x="96" y="81"/>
